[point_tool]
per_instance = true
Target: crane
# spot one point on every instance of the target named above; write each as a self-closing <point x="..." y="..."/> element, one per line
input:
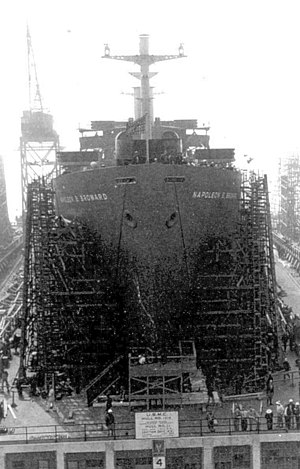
<point x="39" y="142"/>
<point x="35" y="97"/>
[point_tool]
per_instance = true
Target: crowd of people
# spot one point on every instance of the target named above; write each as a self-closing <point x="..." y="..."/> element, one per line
<point x="247" y="418"/>
<point x="286" y="416"/>
<point x="9" y="345"/>
<point x="174" y="157"/>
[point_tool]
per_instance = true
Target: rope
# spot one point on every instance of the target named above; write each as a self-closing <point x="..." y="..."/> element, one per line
<point x="121" y="231"/>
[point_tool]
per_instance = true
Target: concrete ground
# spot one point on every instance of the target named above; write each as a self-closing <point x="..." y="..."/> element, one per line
<point x="25" y="412"/>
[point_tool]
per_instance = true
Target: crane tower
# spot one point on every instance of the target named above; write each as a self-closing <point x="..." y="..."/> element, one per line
<point x="39" y="142"/>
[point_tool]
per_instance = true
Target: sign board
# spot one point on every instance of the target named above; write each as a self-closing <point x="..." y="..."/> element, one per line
<point x="158" y="448"/>
<point x="158" y="454"/>
<point x="159" y="462"/>
<point x="156" y="425"/>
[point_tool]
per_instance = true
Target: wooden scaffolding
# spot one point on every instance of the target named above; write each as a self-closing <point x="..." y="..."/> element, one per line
<point x="236" y="317"/>
<point x="162" y="381"/>
<point x="69" y="304"/>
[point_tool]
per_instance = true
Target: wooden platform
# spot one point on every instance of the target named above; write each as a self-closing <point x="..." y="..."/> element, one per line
<point x="169" y="400"/>
<point x="171" y="368"/>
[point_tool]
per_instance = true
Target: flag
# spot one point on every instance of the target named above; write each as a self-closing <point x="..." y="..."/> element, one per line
<point x="136" y="126"/>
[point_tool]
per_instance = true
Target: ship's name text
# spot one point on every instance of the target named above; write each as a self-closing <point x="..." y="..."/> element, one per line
<point x="69" y="199"/>
<point x="214" y="195"/>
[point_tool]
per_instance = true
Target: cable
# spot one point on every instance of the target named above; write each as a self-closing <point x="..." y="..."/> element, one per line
<point x="182" y="233"/>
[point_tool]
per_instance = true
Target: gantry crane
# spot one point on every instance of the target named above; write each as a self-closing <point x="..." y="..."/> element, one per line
<point x="39" y="142"/>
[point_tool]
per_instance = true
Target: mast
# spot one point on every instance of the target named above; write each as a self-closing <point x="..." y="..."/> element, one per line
<point x="144" y="60"/>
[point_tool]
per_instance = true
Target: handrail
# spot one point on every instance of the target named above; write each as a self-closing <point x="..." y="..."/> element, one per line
<point x="193" y="427"/>
<point x="103" y="372"/>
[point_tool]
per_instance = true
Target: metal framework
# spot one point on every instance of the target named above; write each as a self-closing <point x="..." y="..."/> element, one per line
<point x="236" y="317"/>
<point x="75" y="322"/>
<point x="166" y="381"/>
<point x="68" y="307"/>
<point x="289" y="214"/>
<point x="39" y="142"/>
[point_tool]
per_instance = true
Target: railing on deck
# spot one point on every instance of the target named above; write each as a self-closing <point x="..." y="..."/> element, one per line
<point x="126" y="430"/>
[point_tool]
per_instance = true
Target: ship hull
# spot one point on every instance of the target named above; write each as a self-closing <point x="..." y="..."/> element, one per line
<point x="132" y="207"/>
<point x="154" y="221"/>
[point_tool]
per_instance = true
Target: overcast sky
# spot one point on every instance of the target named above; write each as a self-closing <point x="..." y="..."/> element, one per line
<point x="242" y="73"/>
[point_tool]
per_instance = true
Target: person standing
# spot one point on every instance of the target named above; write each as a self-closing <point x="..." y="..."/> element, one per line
<point x="210" y="421"/>
<point x="108" y="402"/>
<point x="19" y="388"/>
<point x="236" y="418"/>
<point x="1" y="411"/>
<point x="297" y="415"/>
<point x="5" y="380"/>
<point x="122" y="394"/>
<point x="17" y="340"/>
<point x="244" y="420"/>
<point x="292" y="340"/>
<point x="110" y="422"/>
<point x="287" y="418"/>
<point x="270" y="391"/>
<point x="269" y="378"/>
<point x="269" y="419"/>
<point x="289" y="414"/>
<point x="210" y="390"/>
<point x="284" y="339"/>
<point x="286" y="367"/>
<point x="51" y="398"/>
<point x="280" y="414"/>
<point x="253" y="419"/>
<point x="291" y="407"/>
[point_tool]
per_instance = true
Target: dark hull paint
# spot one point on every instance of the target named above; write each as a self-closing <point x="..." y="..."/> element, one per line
<point x="150" y="203"/>
<point x="154" y="231"/>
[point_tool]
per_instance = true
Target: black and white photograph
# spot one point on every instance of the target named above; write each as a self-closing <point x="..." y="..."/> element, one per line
<point x="150" y="234"/>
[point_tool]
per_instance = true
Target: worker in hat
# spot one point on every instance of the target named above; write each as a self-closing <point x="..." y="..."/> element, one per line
<point x="142" y="359"/>
<point x="253" y="416"/>
<point x="297" y="415"/>
<point x="244" y="419"/>
<point x="270" y="391"/>
<point x="292" y="406"/>
<point x="289" y="414"/>
<point x="269" y="419"/>
<point x="236" y="417"/>
<point x="110" y="422"/>
<point x="108" y="402"/>
<point x="279" y="414"/>
<point x="210" y="421"/>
